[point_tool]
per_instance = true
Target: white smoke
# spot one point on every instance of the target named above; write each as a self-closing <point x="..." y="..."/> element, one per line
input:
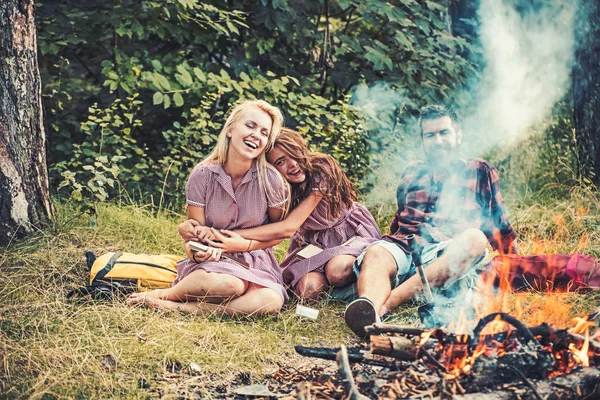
<point x="381" y="109"/>
<point x="527" y="57"/>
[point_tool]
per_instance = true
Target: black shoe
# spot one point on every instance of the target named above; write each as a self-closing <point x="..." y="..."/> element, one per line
<point x="359" y="314"/>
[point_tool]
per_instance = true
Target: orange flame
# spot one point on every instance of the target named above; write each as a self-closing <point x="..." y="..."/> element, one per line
<point x="581" y="325"/>
<point x="425" y="337"/>
<point x="581" y="355"/>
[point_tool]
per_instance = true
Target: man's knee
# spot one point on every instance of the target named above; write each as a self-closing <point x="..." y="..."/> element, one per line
<point x="379" y="259"/>
<point x="474" y="242"/>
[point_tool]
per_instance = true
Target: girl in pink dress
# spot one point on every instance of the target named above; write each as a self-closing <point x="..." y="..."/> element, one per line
<point x="234" y="187"/>
<point x="325" y="214"/>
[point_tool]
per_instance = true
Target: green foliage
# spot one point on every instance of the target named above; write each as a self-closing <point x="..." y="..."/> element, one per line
<point x="545" y="165"/>
<point x="177" y="66"/>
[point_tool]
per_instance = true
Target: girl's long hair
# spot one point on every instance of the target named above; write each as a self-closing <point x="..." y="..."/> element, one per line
<point x="337" y="189"/>
<point x="219" y="153"/>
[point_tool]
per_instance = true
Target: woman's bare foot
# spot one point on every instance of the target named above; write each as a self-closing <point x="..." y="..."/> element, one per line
<point x="145" y="297"/>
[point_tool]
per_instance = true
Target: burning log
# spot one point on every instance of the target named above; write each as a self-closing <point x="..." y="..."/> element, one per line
<point x="398" y="347"/>
<point x="562" y="337"/>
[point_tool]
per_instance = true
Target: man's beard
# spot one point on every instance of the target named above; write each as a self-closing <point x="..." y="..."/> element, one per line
<point x="441" y="157"/>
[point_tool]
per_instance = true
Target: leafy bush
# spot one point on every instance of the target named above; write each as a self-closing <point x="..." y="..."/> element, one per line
<point x="151" y="81"/>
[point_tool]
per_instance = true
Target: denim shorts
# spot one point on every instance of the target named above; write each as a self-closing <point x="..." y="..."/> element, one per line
<point x="405" y="267"/>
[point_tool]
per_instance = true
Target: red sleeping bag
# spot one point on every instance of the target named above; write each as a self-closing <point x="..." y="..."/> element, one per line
<point x="559" y="272"/>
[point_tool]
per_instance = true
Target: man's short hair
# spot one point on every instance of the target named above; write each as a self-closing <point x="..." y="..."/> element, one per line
<point x="435" y="111"/>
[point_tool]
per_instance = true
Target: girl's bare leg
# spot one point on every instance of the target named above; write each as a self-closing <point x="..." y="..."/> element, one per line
<point x="257" y="300"/>
<point x="210" y="287"/>
<point x="312" y="286"/>
<point x="339" y="270"/>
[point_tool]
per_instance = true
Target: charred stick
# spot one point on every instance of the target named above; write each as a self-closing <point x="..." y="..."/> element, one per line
<point x="432" y="359"/>
<point x="347" y="378"/>
<point x="523" y="330"/>
<point x="415" y="251"/>
<point x="526" y="381"/>
<point x="328" y="353"/>
<point x="378" y="328"/>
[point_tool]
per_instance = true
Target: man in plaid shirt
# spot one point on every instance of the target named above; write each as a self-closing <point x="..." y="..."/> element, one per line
<point x="451" y="208"/>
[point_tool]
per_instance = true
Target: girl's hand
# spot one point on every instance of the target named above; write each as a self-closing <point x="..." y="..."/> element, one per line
<point x="204" y="234"/>
<point x="228" y="241"/>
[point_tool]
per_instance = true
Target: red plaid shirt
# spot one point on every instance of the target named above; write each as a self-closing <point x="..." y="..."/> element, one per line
<point x="469" y="197"/>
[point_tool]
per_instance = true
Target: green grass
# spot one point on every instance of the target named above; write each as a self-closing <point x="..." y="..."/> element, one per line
<point x="52" y="348"/>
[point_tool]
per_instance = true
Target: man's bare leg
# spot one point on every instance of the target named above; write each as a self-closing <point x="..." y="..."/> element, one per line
<point x="466" y="249"/>
<point x="257" y="300"/>
<point x="210" y="287"/>
<point x="377" y="269"/>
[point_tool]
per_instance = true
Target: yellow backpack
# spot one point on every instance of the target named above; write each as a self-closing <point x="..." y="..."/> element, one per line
<point x="120" y="272"/>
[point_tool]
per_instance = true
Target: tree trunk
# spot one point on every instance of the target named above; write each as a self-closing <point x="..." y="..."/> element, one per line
<point x="24" y="195"/>
<point x="586" y="89"/>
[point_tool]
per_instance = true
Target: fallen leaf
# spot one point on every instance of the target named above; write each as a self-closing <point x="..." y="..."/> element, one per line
<point x="254" y="390"/>
<point x="195" y="367"/>
<point x="109" y="362"/>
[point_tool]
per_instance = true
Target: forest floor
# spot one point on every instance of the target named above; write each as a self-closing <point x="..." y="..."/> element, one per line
<point x="54" y="348"/>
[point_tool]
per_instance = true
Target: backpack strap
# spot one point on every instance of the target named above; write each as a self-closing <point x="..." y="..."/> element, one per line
<point x="109" y="265"/>
<point x="90" y="258"/>
<point x="80" y="292"/>
<point x="97" y="292"/>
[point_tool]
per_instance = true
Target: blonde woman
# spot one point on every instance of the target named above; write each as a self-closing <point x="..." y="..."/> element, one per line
<point x="233" y="188"/>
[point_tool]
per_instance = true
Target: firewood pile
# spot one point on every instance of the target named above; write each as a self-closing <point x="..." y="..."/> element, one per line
<point x="501" y="359"/>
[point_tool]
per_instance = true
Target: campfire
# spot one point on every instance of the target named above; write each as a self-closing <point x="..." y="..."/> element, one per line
<point x="486" y="351"/>
<point x="501" y="355"/>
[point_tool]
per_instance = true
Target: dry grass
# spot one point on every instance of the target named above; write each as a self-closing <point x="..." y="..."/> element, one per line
<point x="52" y="348"/>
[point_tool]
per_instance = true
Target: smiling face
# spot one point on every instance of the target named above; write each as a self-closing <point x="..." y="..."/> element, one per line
<point x="287" y="166"/>
<point x="250" y="133"/>
<point x="440" y="140"/>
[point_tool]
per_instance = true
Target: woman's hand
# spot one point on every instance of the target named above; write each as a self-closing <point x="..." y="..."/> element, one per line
<point x="187" y="229"/>
<point x="211" y="254"/>
<point x="228" y="241"/>
<point x="193" y="230"/>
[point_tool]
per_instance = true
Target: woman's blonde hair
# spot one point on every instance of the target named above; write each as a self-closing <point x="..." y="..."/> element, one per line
<point x="219" y="153"/>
